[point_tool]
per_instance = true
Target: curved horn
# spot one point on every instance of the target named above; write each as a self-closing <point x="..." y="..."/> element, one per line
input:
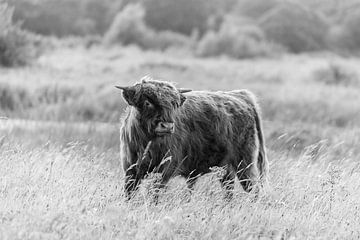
<point x="184" y="90"/>
<point x="146" y="78"/>
<point x="122" y="88"/>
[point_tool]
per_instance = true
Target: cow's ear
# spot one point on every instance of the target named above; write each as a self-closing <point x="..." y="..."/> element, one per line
<point x="182" y="99"/>
<point x="128" y="94"/>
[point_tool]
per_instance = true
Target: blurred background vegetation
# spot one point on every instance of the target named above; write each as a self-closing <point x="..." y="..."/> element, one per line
<point x="235" y="28"/>
<point x="198" y="29"/>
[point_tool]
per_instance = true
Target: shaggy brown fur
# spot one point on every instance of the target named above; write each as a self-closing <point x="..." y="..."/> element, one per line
<point x="211" y="129"/>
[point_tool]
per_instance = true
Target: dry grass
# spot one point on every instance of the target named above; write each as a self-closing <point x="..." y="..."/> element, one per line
<point x="62" y="180"/>
<point x="75" y="192"/>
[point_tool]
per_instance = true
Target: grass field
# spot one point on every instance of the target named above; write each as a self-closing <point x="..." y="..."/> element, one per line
<point x="60" y="177"/>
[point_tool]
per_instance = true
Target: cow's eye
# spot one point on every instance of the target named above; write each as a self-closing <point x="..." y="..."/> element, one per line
<point x="148" y="104"/>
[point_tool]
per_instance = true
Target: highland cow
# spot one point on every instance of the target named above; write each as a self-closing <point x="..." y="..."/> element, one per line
<point x="182" y="132"/>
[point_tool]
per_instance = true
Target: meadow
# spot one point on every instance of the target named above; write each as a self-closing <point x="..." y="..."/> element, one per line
<point x="60" y="177"/>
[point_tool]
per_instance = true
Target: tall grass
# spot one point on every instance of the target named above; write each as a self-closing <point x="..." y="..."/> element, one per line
<point x="73" y="192"/>
<point x="63" y="179"/>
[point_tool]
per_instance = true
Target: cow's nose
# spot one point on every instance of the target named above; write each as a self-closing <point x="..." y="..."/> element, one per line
<point x="166" y="126"/>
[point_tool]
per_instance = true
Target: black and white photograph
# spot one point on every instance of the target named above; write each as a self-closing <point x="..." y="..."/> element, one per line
<point x="179" y="119"/>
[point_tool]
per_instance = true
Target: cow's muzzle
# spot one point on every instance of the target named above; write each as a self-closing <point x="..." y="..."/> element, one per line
<point x="164" y="128"/>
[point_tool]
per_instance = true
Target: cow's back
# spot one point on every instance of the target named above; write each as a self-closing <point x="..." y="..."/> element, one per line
<point x="224" y="110"/>
<point x="212" y="126"/>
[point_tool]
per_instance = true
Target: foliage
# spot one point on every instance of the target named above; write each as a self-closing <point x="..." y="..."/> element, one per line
<point x="129" y="28"/>
<point x="182" y="16"/>
<point x="337" y="74"/>
<point x="66" y="17"/>
<point x="236" y="38"/>
<point x="295" y="27"/>
<point x="298" y="26"/>
<point x="17" y="47"/>
<point x="347" y="35"/>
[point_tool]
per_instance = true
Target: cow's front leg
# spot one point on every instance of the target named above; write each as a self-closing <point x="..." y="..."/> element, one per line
<point x="136" y="172"/>
<point x="132" y="181"/>
<point x="161" y="184"/>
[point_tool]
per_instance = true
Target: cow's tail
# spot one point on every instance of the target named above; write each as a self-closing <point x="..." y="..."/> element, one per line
<point x="262" y="163"/>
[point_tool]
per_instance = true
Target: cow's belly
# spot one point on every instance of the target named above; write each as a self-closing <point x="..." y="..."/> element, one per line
<point x="199" y="160"/>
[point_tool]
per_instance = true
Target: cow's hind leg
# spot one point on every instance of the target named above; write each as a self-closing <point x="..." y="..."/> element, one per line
<point x="227" y="183"/>
<point x="246" y="167"/>
<point x="247" y="177"/>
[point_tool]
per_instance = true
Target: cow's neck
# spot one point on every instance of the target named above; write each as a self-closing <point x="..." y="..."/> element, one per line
<point x="138" y="136"/>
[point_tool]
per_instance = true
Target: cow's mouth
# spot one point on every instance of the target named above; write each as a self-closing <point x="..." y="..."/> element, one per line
<point x="163" y="133"/>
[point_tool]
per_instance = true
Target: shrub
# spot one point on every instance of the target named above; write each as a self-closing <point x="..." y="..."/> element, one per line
<point x="65" y="17"/>
<point x="337" y="74"/>
<point x="178" y="15"/>
<point x="295" y="27"/>
<point x="347" y="34"/>
<point x="237" y="38"/>
<point x="339" y="38"/>
<point x="129" y="28"/>
<point x="16" y="46"/>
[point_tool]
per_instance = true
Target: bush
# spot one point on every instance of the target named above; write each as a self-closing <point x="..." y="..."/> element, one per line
<point x="347" y="34"/>
<point x="295" y="27"/>
<point x="65" y="17"/>
<point x="129" y="28"/>
<point x="237" y="38"/>
<point x="178" y="15"/>
<point x="338" y="74"/>
<point x="16" y="46"/>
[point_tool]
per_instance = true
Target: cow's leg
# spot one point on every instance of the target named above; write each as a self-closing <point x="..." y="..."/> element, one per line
<point x="227" y="183"/>
<point x="132" y="182"/>
<point x="246" y="167"/>
<point x="247" y="176"/>
<point x="159" y="186"/>
<point x="167" y="170"/>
